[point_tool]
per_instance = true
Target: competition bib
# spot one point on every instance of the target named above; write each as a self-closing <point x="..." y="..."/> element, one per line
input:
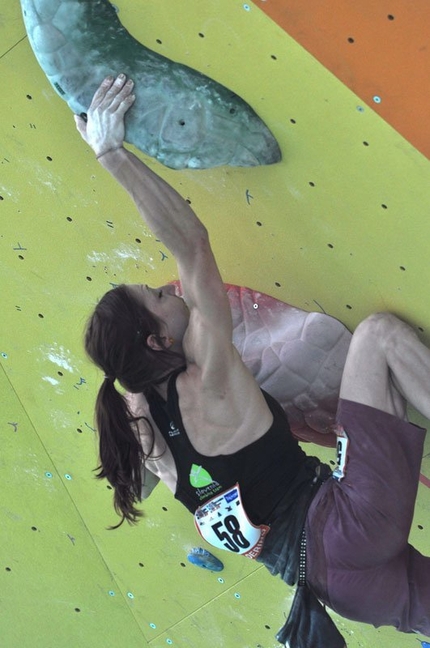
<point x="223" y="522"/>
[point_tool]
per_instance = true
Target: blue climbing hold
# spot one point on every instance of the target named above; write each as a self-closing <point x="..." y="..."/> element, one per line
<point x="425" y="644"/>
<point x="202" y="558"/>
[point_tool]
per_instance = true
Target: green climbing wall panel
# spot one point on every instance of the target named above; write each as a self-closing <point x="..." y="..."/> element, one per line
<point x="341" y="225"/>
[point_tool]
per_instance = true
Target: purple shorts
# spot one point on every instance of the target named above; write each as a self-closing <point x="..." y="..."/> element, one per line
<point x="359" y="560"/>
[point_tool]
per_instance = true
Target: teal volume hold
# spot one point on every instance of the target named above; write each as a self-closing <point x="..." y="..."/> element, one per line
<point x="181" y="117"/>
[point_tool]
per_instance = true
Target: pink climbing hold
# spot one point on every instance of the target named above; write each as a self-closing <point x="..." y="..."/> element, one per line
<point x="296" y="356"/>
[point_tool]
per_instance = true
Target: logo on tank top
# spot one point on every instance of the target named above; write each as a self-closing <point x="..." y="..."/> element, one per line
<point x="173" y="430"/>
<point x="201" y="480"/>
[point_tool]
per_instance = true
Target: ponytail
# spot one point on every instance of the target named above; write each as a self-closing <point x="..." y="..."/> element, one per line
<point x="121" y="454"/>
<point x="116" y="341"/>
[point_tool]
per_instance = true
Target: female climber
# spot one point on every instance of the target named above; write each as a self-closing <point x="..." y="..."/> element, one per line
<point x="194" y="417"/>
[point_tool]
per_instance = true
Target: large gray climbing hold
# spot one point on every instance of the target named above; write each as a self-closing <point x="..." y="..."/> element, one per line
<point x="180" y="117"/>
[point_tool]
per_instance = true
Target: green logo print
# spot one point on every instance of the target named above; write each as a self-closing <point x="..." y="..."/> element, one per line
<point x="199" y="477"/>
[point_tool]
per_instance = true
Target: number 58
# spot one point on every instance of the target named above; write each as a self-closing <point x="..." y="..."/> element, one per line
<point x="232" y="535"/>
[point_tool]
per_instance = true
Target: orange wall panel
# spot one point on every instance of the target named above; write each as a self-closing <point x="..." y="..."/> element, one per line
<point x="378" y="49"/>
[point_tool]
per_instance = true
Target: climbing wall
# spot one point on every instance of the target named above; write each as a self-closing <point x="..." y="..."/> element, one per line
<point x="341" y="225"/>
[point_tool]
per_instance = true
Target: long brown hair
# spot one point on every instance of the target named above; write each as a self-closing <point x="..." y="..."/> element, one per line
<point x="116" y="341"/>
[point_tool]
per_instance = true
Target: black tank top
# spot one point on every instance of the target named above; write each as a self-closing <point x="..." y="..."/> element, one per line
<point x="265" y="469"/>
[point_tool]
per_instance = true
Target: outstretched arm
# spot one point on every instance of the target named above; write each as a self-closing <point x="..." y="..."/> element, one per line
<point x="166" y="213"/>
<point x="169" y="217"/>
